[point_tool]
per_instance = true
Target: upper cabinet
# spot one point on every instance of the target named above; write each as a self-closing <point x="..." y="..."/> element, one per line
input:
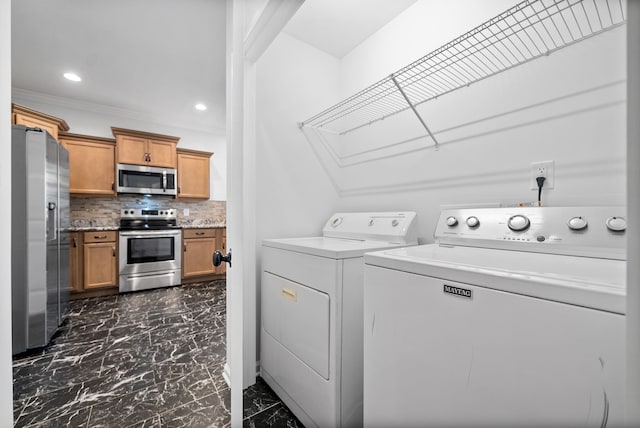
<point x="91" y="164"/>
<point x="145" y="148"/>
<point x="193" y="174"/>
<point x="25" y="116"/>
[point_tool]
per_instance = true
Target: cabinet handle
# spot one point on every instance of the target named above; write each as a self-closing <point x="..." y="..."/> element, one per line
<point x="99" y="236"/>
<point x="178" y="189"/>
<point x="199" y="233"/>
<point x="113" y="186"/>
<point x="75" y="244"/>
<point x="113" y="249"/>
<point x="185" y="248"/>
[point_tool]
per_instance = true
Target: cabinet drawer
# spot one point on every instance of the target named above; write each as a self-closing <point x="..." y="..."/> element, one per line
<point x="198" y="233"/>
<point x="100" y="236"/>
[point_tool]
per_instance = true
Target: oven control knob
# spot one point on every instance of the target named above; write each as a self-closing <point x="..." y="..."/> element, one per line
<point x="518" y="223"/>
<point x="452" y="221"/>
<point x="577" y="223"/>
<point x="473" y="221"/>
<point x="617" y="224"/>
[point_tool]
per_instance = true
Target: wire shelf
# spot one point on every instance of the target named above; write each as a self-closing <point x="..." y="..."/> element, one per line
<point x="529" y="30"/>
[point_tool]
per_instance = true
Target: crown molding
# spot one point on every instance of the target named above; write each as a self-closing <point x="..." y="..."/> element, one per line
<point x="39" y="97"/>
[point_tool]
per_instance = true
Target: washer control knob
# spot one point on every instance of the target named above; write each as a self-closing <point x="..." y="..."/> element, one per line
<point x="577" y="223"/>
<point x="371" y="221"/>
<point x="452" y="221"/>
<point x="473" y="221"/>
<point x="616" y="224"/>
<point x="336" y="222"/>
<point x="518" y="223"/>
<point x="394" y="222"/>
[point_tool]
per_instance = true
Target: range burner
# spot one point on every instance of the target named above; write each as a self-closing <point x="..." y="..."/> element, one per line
<point x="148" y="219"/>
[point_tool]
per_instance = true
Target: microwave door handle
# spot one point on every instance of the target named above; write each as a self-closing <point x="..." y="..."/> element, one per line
<point x="164" y="181"/>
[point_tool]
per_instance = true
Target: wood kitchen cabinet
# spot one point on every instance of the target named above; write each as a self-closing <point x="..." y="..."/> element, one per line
<point x="76" y="261"/>
<point x="91" y="164"/>
<point x="145" y="148"/>
<point x="198" y="246"/>
<point x="100" y="254"/>
<point x="34" y="119"/>
<point x="193" y="174"/>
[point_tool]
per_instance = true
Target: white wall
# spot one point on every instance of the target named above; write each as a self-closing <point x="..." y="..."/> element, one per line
<point x="95" y="120"/>
<point x="6" y="375"/>
<point x="295" y="194"/>
<point x="568" y="107"/>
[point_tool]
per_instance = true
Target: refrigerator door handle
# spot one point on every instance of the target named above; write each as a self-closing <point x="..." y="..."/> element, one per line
<point x="52" y="219"/>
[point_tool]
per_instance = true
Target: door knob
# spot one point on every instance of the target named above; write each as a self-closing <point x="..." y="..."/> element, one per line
<point x="218" y="258"/>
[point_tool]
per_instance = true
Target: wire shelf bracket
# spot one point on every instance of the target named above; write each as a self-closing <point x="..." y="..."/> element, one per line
<point x="404" y="95"/>
<point x="528" y="30"/>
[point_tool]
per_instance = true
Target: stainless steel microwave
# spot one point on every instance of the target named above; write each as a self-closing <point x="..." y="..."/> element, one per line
<point x="146" y="180"/>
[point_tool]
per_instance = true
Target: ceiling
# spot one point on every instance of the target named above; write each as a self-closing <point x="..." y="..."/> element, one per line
<point x="149" y="58"/>
<point x="338" y="26"/>
<point x="155" y="59"/>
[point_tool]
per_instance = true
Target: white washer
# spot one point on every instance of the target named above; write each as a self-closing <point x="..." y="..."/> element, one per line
<point x="515" y="317"/>
<point x="311" y="302"/>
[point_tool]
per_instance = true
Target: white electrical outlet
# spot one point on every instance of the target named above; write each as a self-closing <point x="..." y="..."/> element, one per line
<point x="542" y="169"/>
<point x="185" y="212"/>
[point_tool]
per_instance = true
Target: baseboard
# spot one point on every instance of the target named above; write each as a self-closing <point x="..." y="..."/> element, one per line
<point x="100" y="292"/>
<point x="204" y="278"/>
<point x="226" y="375"/>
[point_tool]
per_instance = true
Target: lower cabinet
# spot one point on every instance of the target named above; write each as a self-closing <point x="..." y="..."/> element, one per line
<point x="76" y="261"/>
<point x="198" y="246"/>
<point x="94" y="260"/>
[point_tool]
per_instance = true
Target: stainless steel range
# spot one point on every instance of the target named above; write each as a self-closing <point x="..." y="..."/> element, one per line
<point x="150" y="255"/>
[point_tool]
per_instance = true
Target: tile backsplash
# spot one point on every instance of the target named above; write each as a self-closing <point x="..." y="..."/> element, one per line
<point x="105" y="212"/>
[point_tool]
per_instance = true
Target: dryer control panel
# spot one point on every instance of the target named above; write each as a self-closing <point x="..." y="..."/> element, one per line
<point x="579" y="231"/>
<point x="396" y="227"/>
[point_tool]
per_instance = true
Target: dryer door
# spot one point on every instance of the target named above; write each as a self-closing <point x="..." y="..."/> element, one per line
<point x="298" y="318"/>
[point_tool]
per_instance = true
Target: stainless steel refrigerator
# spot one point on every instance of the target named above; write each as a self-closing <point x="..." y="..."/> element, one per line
<point x="40" y="283"/>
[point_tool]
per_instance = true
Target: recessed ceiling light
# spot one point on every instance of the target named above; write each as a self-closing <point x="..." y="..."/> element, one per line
<point x="72" y="76"/>
<point x="201" y="107"/>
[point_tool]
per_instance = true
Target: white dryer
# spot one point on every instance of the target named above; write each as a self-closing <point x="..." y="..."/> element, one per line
<point x="515" y="317"/>
<point x="311" y="303"/>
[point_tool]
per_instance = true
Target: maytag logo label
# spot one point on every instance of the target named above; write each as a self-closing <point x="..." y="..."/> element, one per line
<point x="462" y="292"/>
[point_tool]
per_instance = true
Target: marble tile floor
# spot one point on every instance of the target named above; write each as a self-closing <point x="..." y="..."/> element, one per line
<point x="146" y="359"/>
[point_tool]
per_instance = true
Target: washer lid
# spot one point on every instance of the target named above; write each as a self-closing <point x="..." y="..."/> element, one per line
<point x="333" y="248"/>
<point x="583" y="281"/>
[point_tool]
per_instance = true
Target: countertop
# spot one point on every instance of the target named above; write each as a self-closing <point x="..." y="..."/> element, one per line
<point x="84" y="228"/>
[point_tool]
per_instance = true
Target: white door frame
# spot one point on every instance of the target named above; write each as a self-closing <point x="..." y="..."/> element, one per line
<point x="6" y="374"/>
<point x="633" y="212"/>
<point x="245" y="44"/>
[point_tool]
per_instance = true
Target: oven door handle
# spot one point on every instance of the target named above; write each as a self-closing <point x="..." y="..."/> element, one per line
<point x="147" y="233"/>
